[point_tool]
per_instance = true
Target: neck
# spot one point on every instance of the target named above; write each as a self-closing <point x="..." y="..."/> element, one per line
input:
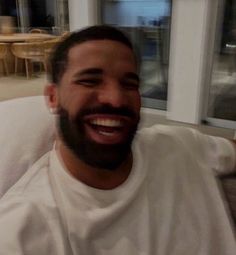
<point x="91" y="176"/>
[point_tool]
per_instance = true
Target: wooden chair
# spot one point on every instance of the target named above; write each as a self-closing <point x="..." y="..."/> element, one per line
<point x="29" y="52"/>
<point x="49" y="46"/>
<point x="38" y="31"/>
<point x="65" y="34"/>
<point x="3" y="56"/>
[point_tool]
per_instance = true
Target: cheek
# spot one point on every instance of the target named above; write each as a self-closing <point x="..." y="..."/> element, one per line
<point x="74" y="99"/>
<point x="135" y="101"/>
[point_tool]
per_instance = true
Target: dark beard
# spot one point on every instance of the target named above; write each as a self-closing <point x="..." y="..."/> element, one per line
<point x="97" y="155"/>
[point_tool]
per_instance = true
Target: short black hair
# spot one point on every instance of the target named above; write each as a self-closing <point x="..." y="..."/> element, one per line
<point x="59" y="57"/>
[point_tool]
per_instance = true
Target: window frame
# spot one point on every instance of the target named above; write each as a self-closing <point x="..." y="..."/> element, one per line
<point x="193" y="31"/>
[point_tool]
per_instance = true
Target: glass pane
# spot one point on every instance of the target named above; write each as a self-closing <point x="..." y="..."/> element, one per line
<point x="8" y="8"/>
<point x="148" y="25"/>
<point x="222" y="97"/>
<point x="49" y="15"/>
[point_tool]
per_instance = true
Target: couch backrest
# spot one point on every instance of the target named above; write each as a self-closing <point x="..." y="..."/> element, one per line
<point x="26" y="133"/>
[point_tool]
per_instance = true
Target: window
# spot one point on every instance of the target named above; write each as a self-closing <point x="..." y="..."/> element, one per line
<point x="147" y="23"/>
<point x="221" y="107"/>
<point x="45" y="14"/>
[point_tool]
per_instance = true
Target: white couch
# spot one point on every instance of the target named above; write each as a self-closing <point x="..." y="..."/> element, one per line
<point x="26" y="133"/>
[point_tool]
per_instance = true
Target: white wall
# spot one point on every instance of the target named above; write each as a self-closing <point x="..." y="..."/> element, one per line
<point x="188" y="57"/>
<point x="82" y="13"/>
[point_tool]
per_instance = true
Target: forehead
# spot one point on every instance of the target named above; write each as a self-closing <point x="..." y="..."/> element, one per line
<point x="101" y="52"/>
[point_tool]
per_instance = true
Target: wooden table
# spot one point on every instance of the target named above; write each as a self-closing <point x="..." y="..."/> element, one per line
<point x="20" y="37"/>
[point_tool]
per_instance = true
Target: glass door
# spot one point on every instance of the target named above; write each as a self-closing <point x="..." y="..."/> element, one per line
<point x="221" y="106"/>
<point x="147" y="23"/>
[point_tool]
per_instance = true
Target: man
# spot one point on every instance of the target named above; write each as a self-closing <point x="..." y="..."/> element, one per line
<point x="99" y="191"/>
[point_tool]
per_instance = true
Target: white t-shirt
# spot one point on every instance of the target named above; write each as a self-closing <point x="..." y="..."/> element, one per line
<point x="169" y="205"/>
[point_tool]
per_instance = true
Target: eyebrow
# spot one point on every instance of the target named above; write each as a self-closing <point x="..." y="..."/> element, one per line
<point x="98" y="71"/>
<point x="133" y="76"/>
<point x="90" y="71"/>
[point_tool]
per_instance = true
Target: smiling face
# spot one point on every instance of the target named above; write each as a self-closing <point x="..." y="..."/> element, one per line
<point x="99" y="102"/>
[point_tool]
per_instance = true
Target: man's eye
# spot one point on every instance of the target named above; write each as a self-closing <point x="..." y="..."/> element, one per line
<point x="88" y="82"/>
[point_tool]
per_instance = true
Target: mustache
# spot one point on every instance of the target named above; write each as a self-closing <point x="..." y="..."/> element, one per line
<point x="77" y="120"/>
<point x="108" y="109"/>
<point x="102" y="109"/>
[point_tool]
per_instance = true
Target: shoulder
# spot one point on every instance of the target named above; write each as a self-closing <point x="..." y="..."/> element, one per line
<point x="33" y="185"/>
<point x="174" y="134"/>
<point x="216" y="152"/>
<point x="165" y="130"/>
<point x="181" y="135"/>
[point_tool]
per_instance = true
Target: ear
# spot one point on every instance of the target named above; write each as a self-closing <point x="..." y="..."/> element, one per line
<point x="51" y="95"/>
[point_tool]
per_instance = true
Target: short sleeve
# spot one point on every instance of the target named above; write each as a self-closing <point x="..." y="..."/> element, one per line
<point x="214" y="153"/>
<point x="217" y="152"/>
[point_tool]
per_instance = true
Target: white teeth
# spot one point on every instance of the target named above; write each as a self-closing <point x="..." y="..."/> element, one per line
<point x="107" y="122"/>
<point x="106" y="133"/>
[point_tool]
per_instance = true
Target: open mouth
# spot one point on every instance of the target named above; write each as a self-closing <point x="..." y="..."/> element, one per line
<point x="107" y="126"/>
<point x="107" y="129"/>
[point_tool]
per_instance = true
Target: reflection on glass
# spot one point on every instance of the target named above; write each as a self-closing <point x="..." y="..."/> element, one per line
<point x="6" y="25"/>
<point x="148" y="24"/>
<point x="49" y="15"/>
<point x="222" y="99"/>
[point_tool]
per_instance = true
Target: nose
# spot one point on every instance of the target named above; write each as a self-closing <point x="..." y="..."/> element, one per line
<point x="113" y="94"/>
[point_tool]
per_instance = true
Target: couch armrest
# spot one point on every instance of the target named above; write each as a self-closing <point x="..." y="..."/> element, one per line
<point x="229" y="187"/>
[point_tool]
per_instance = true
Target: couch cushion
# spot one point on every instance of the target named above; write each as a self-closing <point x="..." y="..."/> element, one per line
<point x="26" y="133"/>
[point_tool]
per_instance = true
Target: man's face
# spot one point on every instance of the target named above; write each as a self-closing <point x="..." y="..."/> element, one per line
<point x="99" y="102"/>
